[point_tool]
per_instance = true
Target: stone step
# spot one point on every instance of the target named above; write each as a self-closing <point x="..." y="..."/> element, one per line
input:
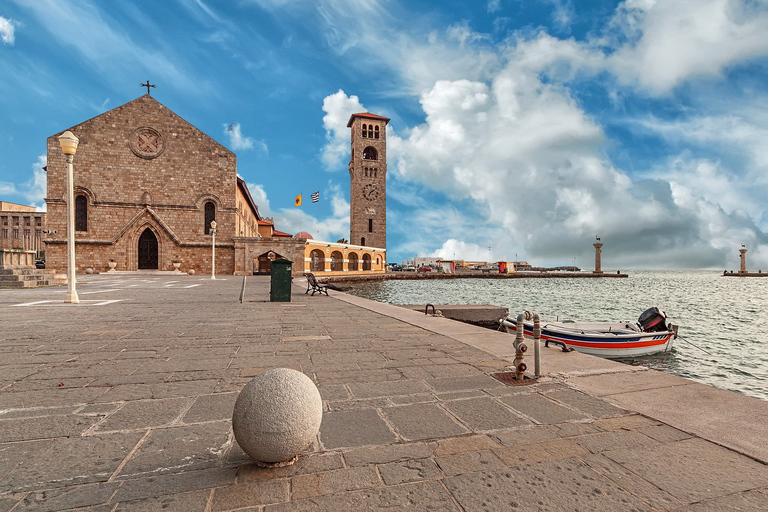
<point x="32" y="284"/>
<point x="19" y="271"/>
<point x="30" y="278"/>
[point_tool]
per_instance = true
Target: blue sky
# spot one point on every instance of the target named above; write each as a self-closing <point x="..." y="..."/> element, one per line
<point x="519" y="128"/>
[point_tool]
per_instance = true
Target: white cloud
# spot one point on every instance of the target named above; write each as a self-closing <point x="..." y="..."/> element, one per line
<point x="36" y="188"/>
<point x="667" y="43"/>
<point x="109" y="48"/>
<point x="338" y="107"/>
<point x="32" y="191"/>
<point x="259" y="196"/>
<point x="456" y="249"/>
<point x="292" y="220"/>
<point x="7" y="30"/>
<point x="239" y="142"/>
<point x="532" y="161"/>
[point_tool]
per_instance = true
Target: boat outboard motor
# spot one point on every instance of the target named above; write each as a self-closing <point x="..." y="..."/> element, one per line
<point x="653" y="320"/>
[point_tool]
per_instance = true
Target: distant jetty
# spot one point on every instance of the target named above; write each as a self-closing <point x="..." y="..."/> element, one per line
<point x="469" y="275"/>
<point x="731" y="273"/>
<point x="743" y="271"/>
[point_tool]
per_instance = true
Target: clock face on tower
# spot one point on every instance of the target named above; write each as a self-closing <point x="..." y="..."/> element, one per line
<point x="370" y="192"/>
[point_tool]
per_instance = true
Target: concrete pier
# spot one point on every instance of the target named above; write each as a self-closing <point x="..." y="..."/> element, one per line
<point x="124" y="401"/>
<point x="483" y="315"/>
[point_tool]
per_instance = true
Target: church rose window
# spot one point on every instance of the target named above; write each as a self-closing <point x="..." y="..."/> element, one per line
<point x="147" y="143"/>
<point x="81" y="213"/>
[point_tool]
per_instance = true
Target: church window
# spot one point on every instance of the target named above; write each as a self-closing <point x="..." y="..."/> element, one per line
<point x="370" y="225"/>
<point x="376" y="132"/>
<point x="362" y="241"/>
<point x="365" y="131"/>
<point x="210" y="215"/>
<point x="370" y="153"/>
<point x="81" y="213"/>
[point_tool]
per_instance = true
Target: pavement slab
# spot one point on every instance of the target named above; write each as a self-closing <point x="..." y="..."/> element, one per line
<point x="358" y="427"/>
<point x="44" y="427"/>
<point x="423" y="421"/>
<point x="562" y="485"/>
<point x="680" y="467"/>
<point x="428" y="496"/>
<point x="195" y="501"/>
<point x="412" y="418"/>
<point x="484" y="413"/>
<point x="144" y="487"/>
<point x="71" y="461"/>
<point x="64" y="498"/>
<point x="541" y="409"/>
<point x="184" y="448"/>
<point x="144" y="414"/>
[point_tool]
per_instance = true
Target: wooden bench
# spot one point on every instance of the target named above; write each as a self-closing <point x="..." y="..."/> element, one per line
<point x="313" y="285"/>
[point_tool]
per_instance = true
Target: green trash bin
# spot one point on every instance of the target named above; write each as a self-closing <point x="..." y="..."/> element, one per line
<point x="280" y="289"/>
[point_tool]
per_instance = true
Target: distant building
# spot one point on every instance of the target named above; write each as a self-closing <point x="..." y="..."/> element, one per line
<point x="22" y="227"/>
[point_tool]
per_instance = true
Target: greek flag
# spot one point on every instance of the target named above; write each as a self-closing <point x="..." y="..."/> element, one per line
<point x="315" y="196"/>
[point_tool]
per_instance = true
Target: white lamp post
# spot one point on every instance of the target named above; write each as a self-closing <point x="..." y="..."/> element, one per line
<point x="213" y="249"/>
<point x="68" y="143"/>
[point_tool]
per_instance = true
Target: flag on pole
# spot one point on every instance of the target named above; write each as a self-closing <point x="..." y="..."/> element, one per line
<point x="315" y="196"/>
<point x="297" y="201"/>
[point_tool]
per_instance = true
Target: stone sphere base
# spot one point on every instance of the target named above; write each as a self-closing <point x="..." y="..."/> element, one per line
<point x="277" y="415"/>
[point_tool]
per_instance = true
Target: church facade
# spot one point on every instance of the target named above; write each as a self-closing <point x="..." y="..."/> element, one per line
<point x="147" y="186"/>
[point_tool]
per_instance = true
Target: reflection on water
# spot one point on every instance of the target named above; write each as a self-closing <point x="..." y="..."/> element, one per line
<point x="723" y="322"/>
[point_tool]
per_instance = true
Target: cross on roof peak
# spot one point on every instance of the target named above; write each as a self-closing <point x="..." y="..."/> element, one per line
<point x="147" y="85"/>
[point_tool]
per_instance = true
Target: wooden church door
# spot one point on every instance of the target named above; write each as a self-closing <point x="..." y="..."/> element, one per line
<point x="148" y="250"/>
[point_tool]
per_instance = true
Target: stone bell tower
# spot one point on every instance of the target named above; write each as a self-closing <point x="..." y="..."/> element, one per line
<point x="368" y="181"/>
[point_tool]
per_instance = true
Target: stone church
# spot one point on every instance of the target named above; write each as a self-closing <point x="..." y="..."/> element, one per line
<point x="148" y="184"/>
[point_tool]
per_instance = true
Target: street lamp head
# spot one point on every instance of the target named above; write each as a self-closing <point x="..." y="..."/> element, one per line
<point x="213" y="224"/>
<point x="68" y="142"/>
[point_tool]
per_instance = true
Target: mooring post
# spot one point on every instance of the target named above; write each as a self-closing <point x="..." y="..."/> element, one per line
<point x="520" y="348"/>
<point x="536" y="345"/>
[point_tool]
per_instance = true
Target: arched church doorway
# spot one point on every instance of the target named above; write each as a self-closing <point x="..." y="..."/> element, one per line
<point x="148" y="250"/>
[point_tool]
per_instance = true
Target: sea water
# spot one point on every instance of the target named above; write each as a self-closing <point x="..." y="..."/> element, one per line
<point x="723" y="320"/>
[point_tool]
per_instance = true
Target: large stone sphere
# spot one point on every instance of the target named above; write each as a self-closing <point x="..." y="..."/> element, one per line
<point x="277" y="415"/>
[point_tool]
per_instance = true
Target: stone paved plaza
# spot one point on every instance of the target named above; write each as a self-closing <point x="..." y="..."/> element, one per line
<point x="124" y="403"/>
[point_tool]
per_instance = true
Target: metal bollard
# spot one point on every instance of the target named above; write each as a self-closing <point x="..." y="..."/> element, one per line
<point x="520" y="349"/>
<point x="536" y="344"/>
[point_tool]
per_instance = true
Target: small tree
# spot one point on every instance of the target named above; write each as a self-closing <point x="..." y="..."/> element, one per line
<point x="342" y="241"/>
